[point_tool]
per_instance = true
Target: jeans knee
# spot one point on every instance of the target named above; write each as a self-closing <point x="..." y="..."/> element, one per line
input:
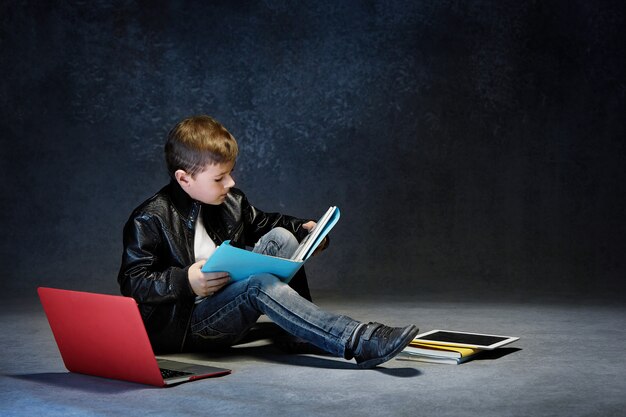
<point x="277" y="242"/>
<point x="284" y="236"/>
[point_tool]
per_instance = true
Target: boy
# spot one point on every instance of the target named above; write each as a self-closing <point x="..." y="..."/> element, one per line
<point x="169" y="237"/>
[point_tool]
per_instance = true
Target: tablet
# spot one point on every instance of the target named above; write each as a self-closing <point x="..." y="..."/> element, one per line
<point x="464" y="339"/>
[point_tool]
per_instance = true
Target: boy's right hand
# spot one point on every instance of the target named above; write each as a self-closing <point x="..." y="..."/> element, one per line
<point x="204" y="284"/>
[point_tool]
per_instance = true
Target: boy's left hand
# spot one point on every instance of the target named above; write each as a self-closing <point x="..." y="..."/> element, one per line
<point x="309" y="226"/>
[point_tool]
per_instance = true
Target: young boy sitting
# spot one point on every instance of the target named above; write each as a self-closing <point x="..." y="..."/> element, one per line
<point x="168" y="238"/>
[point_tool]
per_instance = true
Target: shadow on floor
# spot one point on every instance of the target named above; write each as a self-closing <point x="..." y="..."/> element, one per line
<point x="267" y="342"/>
<point x="83" y="383"/>
<point x="271" y="353"/>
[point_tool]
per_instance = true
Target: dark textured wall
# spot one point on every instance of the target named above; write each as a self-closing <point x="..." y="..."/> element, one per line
<point x="473" y="146"/>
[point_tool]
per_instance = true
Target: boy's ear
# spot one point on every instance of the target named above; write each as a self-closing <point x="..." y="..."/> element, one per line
<point x="183" y="178"/>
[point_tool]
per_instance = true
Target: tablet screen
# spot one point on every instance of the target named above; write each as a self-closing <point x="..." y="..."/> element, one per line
<point x="472" y="339"/>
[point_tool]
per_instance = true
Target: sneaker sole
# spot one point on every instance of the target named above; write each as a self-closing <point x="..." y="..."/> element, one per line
<point x="409" y="334"/>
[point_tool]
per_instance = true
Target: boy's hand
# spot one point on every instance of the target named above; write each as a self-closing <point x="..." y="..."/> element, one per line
<point x="204" y="284"/>
<point x="323" y="244"/>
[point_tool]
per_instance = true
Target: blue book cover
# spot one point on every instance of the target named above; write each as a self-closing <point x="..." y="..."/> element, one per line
<point x="241" y="263"/>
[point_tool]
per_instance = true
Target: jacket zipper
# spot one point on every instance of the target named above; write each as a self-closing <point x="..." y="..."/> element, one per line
<point x="193" y="214"/>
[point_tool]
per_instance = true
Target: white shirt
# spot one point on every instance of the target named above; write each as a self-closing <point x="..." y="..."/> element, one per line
<point x="203" y="245"/>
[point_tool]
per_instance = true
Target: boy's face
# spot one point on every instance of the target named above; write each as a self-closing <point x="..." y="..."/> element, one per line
<point x="209" y="186"/>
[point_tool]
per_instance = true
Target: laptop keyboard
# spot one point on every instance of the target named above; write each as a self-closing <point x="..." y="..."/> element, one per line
<point x="168" y="373"/>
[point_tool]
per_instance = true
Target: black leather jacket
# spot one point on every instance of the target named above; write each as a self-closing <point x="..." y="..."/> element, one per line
<point x="158" y="251"/>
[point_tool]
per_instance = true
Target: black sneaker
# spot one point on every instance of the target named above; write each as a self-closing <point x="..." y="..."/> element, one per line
<point x="379" y="343"/>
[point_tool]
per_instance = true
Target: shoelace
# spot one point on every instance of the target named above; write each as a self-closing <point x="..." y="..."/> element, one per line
<point x="383" y="332"/>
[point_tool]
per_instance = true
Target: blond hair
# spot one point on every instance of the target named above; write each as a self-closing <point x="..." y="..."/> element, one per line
<point x="197" y="142"/>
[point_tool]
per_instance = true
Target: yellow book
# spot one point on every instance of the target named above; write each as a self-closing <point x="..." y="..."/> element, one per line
<point x="442" y="348"/>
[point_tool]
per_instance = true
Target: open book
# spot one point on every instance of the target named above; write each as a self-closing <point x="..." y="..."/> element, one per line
<point x="241" y="263"/>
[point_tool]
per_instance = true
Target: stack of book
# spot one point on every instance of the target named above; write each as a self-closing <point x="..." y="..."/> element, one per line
<point x="434" y="352"/>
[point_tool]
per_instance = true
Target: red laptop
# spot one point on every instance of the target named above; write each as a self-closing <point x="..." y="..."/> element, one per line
<point x="103" y="335"/>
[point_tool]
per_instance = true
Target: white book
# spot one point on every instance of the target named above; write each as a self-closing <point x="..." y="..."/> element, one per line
<point x="315" y="236"/>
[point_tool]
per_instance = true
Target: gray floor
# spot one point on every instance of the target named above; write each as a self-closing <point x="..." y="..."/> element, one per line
<point x="569" y="362"/>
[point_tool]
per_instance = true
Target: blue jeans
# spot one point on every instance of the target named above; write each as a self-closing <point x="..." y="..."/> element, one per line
<point x="223" y="319"/>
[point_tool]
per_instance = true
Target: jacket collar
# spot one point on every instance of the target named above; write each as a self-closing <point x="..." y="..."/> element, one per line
<point x="186" y="206"/>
